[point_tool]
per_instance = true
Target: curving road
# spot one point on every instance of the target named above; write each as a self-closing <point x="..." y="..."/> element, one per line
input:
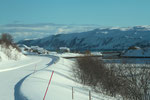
<point x="11" y="78"/>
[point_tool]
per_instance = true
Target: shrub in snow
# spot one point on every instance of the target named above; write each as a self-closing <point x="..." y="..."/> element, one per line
<point x="10" y="52"/>
<point x="8" y="49"/>
<point x="6" y="38"/>
<point x="127" y="80"/>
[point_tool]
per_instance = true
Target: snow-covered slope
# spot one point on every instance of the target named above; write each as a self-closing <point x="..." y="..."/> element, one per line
<point x="61" y="84"/>
<point x="27" y="79"/>
<point x="98" y="39"/>
<point x="9" y="53"/>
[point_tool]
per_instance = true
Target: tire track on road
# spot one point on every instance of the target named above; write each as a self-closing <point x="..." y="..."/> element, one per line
<point x="17" y="89"/>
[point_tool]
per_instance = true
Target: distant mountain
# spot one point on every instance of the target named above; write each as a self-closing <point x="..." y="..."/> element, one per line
<point x="32" y="31"/>
<point x="114" y="38"/>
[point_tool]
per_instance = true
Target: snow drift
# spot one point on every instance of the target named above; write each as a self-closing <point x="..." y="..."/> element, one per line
<point x="9" y="53"/>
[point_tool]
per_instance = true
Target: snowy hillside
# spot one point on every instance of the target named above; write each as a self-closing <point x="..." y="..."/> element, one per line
<point x="9" y="53"/>
<point x="98" y="39"/>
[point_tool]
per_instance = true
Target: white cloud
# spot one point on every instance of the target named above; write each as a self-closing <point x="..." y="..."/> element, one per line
<point x="28" y="31"/>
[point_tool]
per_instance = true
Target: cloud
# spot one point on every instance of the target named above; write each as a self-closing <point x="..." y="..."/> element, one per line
<point x="29" y="31"/>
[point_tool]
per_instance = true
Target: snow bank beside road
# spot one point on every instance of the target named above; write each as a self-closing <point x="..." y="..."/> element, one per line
<point x="9" y="53"/>
<point x="24" y="67"/>
<point x="34" y="87"/>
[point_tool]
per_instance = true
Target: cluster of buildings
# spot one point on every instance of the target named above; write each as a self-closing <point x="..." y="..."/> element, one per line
<point x="38" y="50"/>
<point x="33" y="49"/>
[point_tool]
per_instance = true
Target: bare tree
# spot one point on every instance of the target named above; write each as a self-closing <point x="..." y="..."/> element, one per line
<point x="127" y="80"/>
<point x="6" y="38"/>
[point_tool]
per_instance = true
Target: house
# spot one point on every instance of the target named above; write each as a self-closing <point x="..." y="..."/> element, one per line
<point x="64" y="49"/>
<point x="33" y="49"/>
<point x="39" y="50"/>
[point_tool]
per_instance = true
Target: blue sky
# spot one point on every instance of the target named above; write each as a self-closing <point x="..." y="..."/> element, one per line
<point x="101" y="12"/>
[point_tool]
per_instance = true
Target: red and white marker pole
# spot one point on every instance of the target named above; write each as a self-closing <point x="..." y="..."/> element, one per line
<point x="48" y="84"/>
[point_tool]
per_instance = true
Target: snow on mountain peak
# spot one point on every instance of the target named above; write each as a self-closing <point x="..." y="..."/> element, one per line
<point x="97" y="39"/>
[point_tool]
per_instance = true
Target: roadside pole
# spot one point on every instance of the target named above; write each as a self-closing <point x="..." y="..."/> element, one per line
<point x="90" y="95"/>
<point x="48" y="85"/>
<point x="72" y="94"/>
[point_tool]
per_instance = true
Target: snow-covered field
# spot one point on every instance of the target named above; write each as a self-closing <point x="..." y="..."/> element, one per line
<point x="65" y="54"/>
<point x="20" y="81"/>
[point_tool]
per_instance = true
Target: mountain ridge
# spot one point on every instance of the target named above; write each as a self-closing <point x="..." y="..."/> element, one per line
<point x="97" y="39"/>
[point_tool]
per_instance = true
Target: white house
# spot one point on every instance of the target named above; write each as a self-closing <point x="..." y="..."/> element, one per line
<point x="64" y="49"/>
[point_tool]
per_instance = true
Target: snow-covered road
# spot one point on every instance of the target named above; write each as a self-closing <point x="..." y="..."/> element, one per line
<point x="12" y="72"/>
<point x="19" y="81"/>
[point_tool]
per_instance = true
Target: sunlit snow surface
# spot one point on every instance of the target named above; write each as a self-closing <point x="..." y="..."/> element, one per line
<point x="27" y="79"/>
<point x="61" y="85"/>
